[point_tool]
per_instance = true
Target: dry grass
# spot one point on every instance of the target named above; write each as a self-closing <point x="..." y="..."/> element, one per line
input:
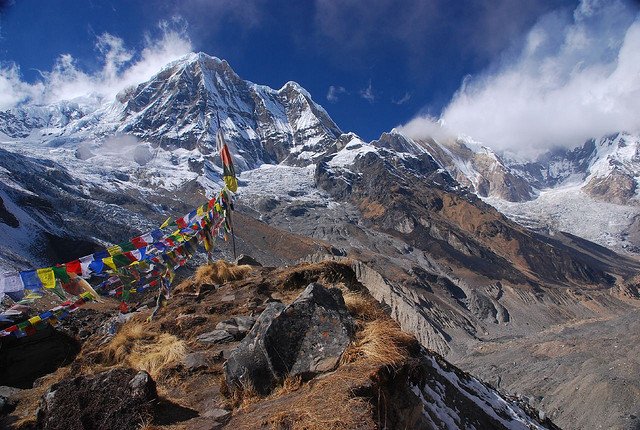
<point x="289" y="385"/>
<point x="138" y="346"/>
<point x="216" y="273"/>
<point x="381" y="342"/>
<point x="326" y="404"/>
<point x="220" y="272"/>
<point x="363" y="307"/>
<point x="328" y="273"/>
<point x="241" y="397"/>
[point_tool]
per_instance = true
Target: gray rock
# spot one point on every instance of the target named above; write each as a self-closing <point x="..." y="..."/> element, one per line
<point x="237" y="326"/>
<point x="217" y="414"/>
<point x="303" y="339"/>
<point x="249" y="261"/>
<point x="195" y="361"/>
<point x="216" y="336"/>
<point x="118" y="398"/>
<point x="8" y="401"/>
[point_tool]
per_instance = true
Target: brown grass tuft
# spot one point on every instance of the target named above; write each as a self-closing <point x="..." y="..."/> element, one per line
<point x="240" y="397"/>
<point x="363" y="307"/>
<point x="216" y="273"/>
<point x="220" y="272"/>
<point x="325" y="405"/>
<point x="289" y="385"/>
<point x="139" y="347"/>
<point x="381" y="342"/>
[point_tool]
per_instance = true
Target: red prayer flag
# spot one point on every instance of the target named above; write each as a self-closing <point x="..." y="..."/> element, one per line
<point x="74" y="267"/>
<point x="139" y="242"/>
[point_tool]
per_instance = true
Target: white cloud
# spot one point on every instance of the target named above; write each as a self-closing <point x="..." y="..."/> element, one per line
<point x="576" y="77"/>
<point x="120" y="68"/>
<point x="425" y="126"/>
<point x="368" y="94"/>
<point x="333" y="95"/>
<point x="402" y="100"/>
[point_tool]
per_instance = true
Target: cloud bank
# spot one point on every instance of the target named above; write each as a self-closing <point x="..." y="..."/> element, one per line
<point x="121" y="68"/>
<point x="576" y="76"/>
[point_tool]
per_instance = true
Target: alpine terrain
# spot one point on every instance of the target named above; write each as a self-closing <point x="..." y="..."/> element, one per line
<point x="504" y="268"/>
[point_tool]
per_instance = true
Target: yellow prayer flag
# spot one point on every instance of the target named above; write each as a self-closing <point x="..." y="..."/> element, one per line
<point x="166" y="223"/>
<point x="109" y="262"/>
<point x="114" y="250"/>
<point x="87" y="295"/>
<point x="35" y="320"/>
<point x="47" y="277"/>
<point x="201" y="210"/>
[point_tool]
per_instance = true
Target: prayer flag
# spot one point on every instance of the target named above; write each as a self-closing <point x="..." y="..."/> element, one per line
<point x="139" y="242"/>
<point x="96" y="266"/>
<point x="166" y="223"/>
<point x="228" y="171"/>
<point x="156" y="235"/>
<point x="126" y="246"/>
<point x="85" y="263"/>
<point x="109" y="262"/>
<point x="30" y="280"/>
<point x="114" y="250"/>
<point x="60" y="272"/>
<point x="100" y="255"/>
<point x="74" y="267"/>
<point x="47" y="277"/>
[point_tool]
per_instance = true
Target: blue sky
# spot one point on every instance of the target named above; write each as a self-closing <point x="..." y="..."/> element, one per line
<point x="373" y="64"/>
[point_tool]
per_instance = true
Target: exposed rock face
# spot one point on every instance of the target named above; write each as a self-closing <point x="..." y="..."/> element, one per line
<point x="303" y="339"/>
<point x="116" y="399"/>
<point x="480" y="169"/>
<point x="247" y="260"/>
<point x="7" y="399"/>
<point x="216" y="336"/>
<point x="618" y="187"/>
<point x="430" y="393"/>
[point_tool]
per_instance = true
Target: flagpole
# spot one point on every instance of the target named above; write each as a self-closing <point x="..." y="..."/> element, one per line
<point x="229" y="206"/>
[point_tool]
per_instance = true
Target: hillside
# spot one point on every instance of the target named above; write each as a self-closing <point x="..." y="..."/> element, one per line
<point x="383" y="379"/>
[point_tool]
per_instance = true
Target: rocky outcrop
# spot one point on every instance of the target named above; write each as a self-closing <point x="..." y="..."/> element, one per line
<point x="479" y="168"/>
<point x="429" y="393"/>
<point x="618" y="187"/>
<point x="116" y="399"/>
<point x="404" y="308"/>
<point x="303" y="339"/>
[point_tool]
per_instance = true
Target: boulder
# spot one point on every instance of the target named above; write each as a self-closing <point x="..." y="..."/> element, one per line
<point x="216" y="336"/>
<point x="195" y="361"/>
<point x="8" y="399"/>
<point x="247" y="260"/>
<point x="237" y="326"/>
<point x="116" y="399"/>
<point x="303" y="339"/>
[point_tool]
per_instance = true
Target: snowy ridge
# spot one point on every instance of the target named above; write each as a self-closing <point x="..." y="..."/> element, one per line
<point x="447" y="396"/>
<point x="592" y="191"/>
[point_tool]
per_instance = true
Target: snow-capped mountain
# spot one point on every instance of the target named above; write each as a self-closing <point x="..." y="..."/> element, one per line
<point x="608" y="169"/>
<point x="591" y="191"/>
<point x="456" y="271"/>
<point x="479" y="168"/>
<point x="139" y="150"/>
<point x="179" y="108"/>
